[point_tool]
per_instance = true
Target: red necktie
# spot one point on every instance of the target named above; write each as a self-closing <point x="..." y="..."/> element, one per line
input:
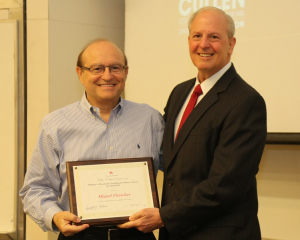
<point x="189" y="108"/>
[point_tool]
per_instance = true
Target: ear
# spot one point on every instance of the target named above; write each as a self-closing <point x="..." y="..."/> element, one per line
<point x="126" y="72"/>
<point x="232" y="43"/>
<point x="79" y="73"/>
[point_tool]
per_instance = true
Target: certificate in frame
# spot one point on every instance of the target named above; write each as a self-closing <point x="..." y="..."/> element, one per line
<point x="107" y="192"/>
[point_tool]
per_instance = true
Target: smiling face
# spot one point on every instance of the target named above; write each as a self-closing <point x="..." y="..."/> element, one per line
<point x="209" y="46"/>
<point x="104" y="89"/>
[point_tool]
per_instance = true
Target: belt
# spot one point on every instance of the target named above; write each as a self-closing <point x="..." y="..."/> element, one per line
<point x="110" y="233"/>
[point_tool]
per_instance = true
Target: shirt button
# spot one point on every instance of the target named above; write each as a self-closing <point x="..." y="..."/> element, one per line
<point x="111" y="148"/>
<point x="170" y="183"/>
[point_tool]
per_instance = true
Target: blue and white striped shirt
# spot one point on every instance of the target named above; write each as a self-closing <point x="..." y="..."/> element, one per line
<point x="77" y="132"/>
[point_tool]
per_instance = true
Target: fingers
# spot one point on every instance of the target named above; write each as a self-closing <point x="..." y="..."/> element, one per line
<point x="145" y="220"/>
<point x="72" y="229"/>
<point x="70" y="217"/>
<point x="130" y="224"/>
<point x="136" y="215"/>
<point x="132" y="220"/>
<point x="64" y="220"/>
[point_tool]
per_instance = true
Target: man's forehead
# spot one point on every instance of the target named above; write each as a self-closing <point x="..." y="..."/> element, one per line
<point x="102" y="51"/>
<point x="211" y="15"/>
<point x="102" y="48"/>
<point x="209" y="20"/>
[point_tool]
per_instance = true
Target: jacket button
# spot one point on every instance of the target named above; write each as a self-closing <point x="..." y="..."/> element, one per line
<point x="170" y="183"/>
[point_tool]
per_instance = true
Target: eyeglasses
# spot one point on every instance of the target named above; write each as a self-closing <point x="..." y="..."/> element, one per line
<point x="100" y="69"/>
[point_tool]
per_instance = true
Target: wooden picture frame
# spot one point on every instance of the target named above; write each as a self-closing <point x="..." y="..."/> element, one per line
<point x="107" y="192"/>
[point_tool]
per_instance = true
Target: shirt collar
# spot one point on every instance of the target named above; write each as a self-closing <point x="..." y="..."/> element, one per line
<point x="211" y="81"/>
<point x="84" y="103"/>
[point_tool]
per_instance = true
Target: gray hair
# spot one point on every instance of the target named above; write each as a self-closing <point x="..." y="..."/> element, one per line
<point x="230" y="22"/>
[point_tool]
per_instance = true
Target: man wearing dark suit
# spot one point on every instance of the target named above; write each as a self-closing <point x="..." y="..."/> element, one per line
<point x="209" y="189"/>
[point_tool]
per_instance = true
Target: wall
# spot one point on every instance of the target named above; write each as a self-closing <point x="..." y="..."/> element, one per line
<point x="56" y="33"/>
<point x="14" y="131"/>
<point x="279" y="192"/>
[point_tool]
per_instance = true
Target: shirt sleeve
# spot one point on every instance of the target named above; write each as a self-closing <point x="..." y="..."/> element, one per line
<point x="42" y="186"/>
<point x="158" y="131"/>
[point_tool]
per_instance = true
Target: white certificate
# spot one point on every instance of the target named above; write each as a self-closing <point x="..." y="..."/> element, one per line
<point x="109" y="191"/>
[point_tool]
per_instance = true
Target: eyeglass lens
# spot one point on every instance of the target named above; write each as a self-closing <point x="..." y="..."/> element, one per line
<point x="98" y="69"/>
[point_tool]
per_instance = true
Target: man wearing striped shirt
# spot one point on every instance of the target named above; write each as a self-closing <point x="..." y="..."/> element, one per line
<point x="100" y="126"/>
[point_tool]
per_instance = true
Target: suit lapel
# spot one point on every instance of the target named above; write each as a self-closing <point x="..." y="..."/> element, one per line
<point x="180" y="99"/>
<point x="209" y="100"/>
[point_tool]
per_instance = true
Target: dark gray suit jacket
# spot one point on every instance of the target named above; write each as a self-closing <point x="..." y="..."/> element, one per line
<point x="209" y="190"/>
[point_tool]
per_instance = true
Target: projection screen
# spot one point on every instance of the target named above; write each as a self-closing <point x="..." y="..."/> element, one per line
<point x="266" y="54"/>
